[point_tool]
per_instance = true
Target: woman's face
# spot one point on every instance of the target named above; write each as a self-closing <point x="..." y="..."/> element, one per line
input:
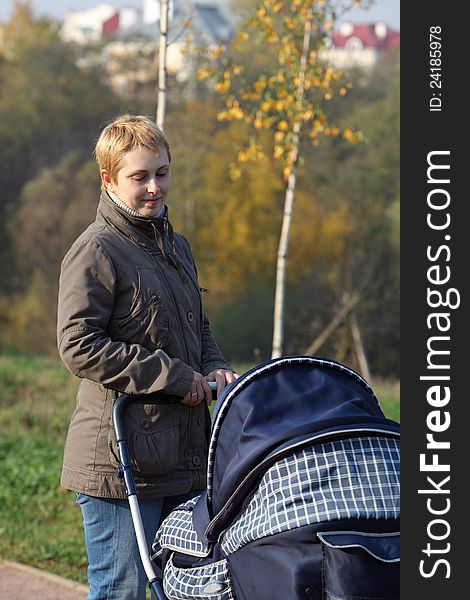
<point x="143" y="182"/>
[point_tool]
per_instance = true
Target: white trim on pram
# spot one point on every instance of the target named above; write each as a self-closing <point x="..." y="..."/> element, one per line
<point x="359" y="534"/>
<point x="178" y="533"/>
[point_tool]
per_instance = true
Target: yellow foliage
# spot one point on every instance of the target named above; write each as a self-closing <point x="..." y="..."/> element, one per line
<point x="235" y="113"/>
<point x="246" y="210"/>
<point x="351" y="136"/>
<point x="205" y="73"/>
<point x="267" y="105"/>
<point x="332" y="131"/>
<point x="242" y="36"/>
<point x="317" y="234"/>
<point x="222" y="86"/>
<point x="235" y="172"/>
<point x="216" y="52"/>
<point x="255" y="151"/>
<point x="30" y="321"/>
<point x="259" y="85"/>
<point x="305" y="235"/>
<point x="337" y="227"/>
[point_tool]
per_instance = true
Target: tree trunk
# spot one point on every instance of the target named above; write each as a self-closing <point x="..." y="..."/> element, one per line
<point x="162" y="86"/>
<point x="283" y="249"/>
<point x="359" y="347"/>
<point x="349" y="303"/>
<point x="281" y="267"/>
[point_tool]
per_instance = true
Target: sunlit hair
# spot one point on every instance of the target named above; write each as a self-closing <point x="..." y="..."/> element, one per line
<point x="123" y="134"/>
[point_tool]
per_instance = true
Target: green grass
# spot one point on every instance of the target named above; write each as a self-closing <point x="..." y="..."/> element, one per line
<point x="388" y="394"/>
<point x="39" y="522"/>
<point x="40" y="525"/>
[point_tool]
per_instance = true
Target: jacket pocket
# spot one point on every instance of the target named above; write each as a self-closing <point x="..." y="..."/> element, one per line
<point x="360" y="565"/>
<point x="153" y="437"/>
<point x="147" y="323"/>
<point x="207" y="582"/>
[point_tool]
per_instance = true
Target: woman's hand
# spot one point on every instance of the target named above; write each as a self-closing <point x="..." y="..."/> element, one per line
<point x="200" y="390"/>
<point x="223" y="377"/>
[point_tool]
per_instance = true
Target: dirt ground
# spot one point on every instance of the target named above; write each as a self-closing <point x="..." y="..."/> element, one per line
<point x="21" y="582"/>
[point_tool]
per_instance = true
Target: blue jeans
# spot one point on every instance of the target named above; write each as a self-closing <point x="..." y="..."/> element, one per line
<point x="115" y="571"/>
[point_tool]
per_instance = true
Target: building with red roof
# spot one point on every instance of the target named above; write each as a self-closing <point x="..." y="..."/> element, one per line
<point x="360" y="45"/>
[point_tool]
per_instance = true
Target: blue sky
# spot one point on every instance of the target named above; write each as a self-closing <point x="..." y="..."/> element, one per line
<point x="383" y="10"/>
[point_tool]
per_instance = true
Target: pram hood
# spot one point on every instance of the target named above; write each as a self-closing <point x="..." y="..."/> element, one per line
<point x="271" y="410"/>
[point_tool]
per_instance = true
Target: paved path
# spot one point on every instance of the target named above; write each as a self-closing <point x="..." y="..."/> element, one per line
<point x="21" y="582"/>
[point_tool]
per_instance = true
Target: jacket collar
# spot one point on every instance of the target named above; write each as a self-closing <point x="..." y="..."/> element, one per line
<point x="141" y="229"/>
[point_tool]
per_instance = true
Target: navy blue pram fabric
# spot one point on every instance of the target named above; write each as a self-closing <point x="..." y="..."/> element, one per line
<point x="275" y="406"/>
<point x="302" y="492"/>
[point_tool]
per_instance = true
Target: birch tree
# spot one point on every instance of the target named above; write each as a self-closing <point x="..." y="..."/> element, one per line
<point x="291" y="101"/>
<point x="162" y="73"/>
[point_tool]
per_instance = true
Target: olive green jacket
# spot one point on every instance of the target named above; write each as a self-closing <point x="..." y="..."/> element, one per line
<point x="130" y="320"/>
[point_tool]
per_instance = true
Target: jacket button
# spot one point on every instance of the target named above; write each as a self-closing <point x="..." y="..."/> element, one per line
<point x="145" y="423"/>
<point x="190" y="316"/>
<point x="196" y="461"/>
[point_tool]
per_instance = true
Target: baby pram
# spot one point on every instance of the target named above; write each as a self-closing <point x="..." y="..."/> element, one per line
<point x="302" y="496"/>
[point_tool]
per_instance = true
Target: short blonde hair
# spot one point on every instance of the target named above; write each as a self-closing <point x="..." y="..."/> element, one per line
<point x="123" y="134"/>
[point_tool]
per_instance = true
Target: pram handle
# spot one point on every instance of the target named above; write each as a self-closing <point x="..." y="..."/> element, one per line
<point x="125" y="472"/>
<point x="124" y="400"/>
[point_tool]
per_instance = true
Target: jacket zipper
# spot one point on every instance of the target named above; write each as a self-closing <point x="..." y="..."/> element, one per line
<point x="175" y="307"/>
<point x="184" y="345"/>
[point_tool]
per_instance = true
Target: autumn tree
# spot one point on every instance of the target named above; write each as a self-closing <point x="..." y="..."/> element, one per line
<point x="53" y="209"/>
<point x="290" y="101"/>
<point x="356" y="286"/>
<point x="48" y="107"/>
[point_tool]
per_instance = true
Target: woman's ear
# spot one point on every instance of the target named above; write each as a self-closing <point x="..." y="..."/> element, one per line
<point x="106" y="180"/>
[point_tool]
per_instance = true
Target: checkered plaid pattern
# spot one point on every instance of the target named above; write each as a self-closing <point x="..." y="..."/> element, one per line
<point x="203" y="582"/>
<point x="345" y="479"/>
<point x="177" y="532"/>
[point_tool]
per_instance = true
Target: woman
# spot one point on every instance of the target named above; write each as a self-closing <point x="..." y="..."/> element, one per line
<point x="130" y="320"/>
